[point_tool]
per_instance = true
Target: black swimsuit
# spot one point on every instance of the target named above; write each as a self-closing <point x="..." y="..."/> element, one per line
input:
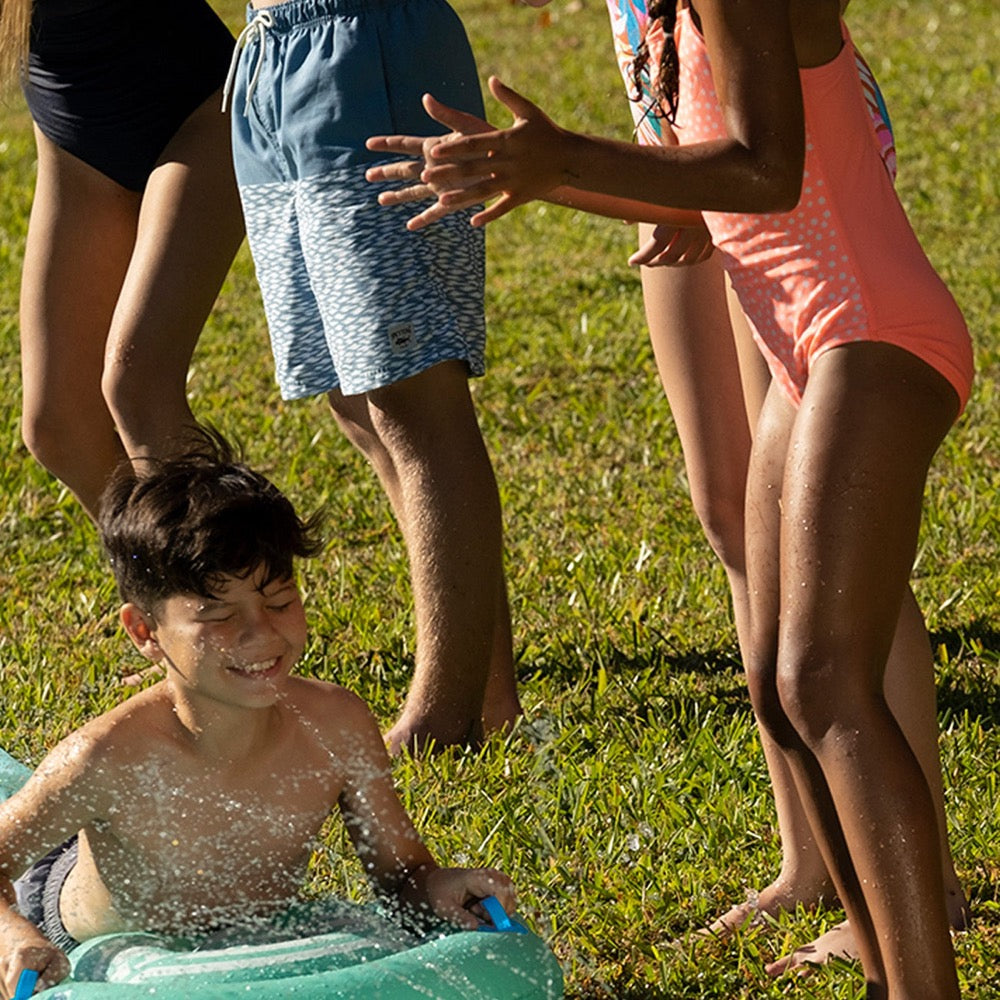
<point x="111" y="81"/>
<point x="39" y="888"/>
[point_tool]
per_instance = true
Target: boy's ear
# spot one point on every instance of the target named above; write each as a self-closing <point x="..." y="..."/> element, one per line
<point x="141" y="630"/>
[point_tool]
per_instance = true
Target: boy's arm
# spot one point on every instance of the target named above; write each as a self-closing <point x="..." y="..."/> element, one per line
<point x="53" y="805"/>
<point x="395" y="859"/>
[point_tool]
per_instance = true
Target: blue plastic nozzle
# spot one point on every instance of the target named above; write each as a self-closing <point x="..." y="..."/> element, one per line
<point x="25" y="984"/>
<point x="501" y="922"/>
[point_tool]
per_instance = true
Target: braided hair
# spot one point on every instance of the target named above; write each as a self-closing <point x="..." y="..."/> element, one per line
<point x="663" y="96"/>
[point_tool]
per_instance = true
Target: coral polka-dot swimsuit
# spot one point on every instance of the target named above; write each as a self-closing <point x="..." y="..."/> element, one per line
<point x="844" y="265"/>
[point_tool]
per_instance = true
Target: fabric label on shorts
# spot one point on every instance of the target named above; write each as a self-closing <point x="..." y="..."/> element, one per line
<point x="401" y="337"/>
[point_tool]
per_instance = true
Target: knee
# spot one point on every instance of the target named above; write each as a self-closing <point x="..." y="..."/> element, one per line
<point x="721" y="513"/>
<point x="121" y="394"/>
<point x="52" y="434"/>
<point x="814" y="695"/>
<point x="761" y="673"/>
<point x="148" y="408"/>
<point x="427" y="416"/>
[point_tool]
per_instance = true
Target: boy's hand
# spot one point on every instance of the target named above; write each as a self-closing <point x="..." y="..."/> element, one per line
<point x="454" y="893"/>
<point x="671" y="246"/>
<point x="31" y="950"/>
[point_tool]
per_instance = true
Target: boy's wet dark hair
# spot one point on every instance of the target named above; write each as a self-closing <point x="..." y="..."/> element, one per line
<point x="184" y="523"/>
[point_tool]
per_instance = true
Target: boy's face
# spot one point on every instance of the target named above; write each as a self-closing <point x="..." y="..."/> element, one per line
<point x="237" y="648"/>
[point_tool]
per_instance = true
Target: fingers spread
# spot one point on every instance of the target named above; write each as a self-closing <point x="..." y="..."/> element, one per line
<point x="408" y="145"/>
<point x="405" y="196"/>
<point x="451" y="118"/>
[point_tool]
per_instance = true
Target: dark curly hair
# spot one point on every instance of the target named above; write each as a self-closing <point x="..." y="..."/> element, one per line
<point x="183" y="524"/>
<point x="663" y="97"/>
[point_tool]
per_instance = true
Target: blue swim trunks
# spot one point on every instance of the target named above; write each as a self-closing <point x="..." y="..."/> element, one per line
<point x="353" y="300"/>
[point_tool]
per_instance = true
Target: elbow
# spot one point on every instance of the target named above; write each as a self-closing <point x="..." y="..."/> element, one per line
<point x="774" y="173"/>
<point x="781" y="176"/>
<point x="778" y="187"/>
<point x="788" y="193"/>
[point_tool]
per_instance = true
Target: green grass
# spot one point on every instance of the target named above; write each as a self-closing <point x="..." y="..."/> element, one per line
<point x="633" y="803"/>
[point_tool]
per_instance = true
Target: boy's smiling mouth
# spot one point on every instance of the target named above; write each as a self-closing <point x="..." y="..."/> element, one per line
<point x="258" y="668"/>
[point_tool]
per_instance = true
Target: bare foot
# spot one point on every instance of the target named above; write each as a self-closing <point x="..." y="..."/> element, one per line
<point x="422" y="736"/>
<point x="759" y="907"/>
<point x="837" y="942"/>
<point x="736" y="918"/>
<point x="499" y="717"/>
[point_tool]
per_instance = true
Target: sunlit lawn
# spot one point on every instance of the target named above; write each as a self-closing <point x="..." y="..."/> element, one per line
<point x="633" y="804"/>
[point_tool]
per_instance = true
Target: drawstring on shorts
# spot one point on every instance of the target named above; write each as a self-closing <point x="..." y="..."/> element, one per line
<point x="255" y="31"/>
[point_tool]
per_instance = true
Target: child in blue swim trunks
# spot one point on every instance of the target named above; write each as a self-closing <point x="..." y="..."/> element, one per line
<point x="388" y="325"/>
<point x="194" y="806"/>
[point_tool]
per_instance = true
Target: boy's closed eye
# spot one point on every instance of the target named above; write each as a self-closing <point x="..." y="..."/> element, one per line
<point x="215" y="612"/>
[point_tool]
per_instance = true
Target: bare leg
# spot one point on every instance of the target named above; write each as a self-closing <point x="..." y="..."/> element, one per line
<point x="713" y="398"/>
<point x="715" y="381"/>
<point x="846" y="529"/>
<point x="422" y="438"/>
<point x="910" y="693"/>
<point x="116" y="288"/>
<point x="190" y="227"/>
<point x="912" y="696"/>
<point x="713" y="390"/>
<point x="80" y="239"/>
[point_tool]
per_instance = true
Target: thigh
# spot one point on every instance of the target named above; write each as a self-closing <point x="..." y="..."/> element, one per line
<point x="80" y="239"/>
<point x="699" y="365"/>
<point x="754" y="373"/>
<point x="190" y="227"/>
<point x="764" y="508"/>
<point x="393" y="303"/>
<point x="871" y="418"/>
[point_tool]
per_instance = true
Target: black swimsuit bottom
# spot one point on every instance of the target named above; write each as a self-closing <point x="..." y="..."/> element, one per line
<point x="111" y="81"/>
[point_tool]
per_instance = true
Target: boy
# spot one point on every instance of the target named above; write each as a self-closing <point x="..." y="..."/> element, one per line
<point x="195" y="805"/>
<point x="387" y="324"/>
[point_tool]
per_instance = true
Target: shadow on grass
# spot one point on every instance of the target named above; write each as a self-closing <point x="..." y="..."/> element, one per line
<point x="969" y="680"/>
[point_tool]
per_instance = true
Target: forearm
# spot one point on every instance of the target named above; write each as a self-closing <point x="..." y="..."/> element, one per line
<point x="722" y="175"/>
<point x="627" y="209"/>
<point x="411" y="887"/>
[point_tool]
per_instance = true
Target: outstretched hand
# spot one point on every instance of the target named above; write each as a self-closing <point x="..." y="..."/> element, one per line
<point x="420" y="149"/>
<point x="475" y="162"/>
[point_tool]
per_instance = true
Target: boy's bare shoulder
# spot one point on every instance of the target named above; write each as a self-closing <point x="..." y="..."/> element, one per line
<point x="333" y="713"/>
<point x="87" y="765"/>
<point x="118" y="735"/>
<point x="329" y="702"/>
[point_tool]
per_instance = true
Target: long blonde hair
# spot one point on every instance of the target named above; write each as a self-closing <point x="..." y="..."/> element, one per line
<point x="15" y="26"/>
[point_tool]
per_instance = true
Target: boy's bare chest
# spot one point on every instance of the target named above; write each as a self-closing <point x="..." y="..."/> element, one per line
<point x="221" y="848"/>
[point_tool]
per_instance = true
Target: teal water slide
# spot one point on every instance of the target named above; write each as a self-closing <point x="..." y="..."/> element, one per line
<point x="508" y="962"/>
